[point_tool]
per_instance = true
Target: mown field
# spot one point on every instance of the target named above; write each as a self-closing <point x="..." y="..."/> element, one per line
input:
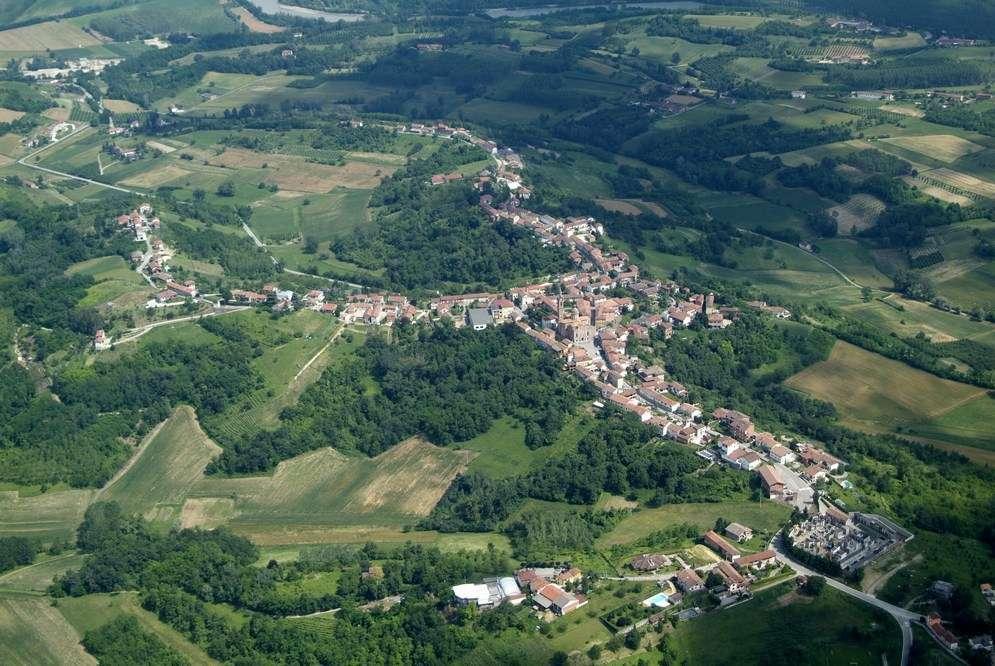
<point x="34" y="633"/>
<point x="877" y="394"/>
<point x="42" y="37"/>
<point x="761" y="516"/>
<point x="95" y="610"/>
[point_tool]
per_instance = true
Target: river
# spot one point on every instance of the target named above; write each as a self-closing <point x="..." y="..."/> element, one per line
<point x="277" y="7"/>
<point x="548" y="9"/>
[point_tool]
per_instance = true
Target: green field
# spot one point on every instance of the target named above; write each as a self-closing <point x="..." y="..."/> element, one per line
<point x="765" y="516"/>
<point x="33" y="633"/>
<point x="779" y="625"/>
<point x="36" y="578"/>
<point x="324" y="218"/>
<point x="41" y="37"/>
<point x="305" y="338"/>
<point x="114" y="279"/>
<point x="164" y="473"/>
<point x="51" y="516"/>
<point x="878" y="394"/>
<point x="501" y="451"/>
<point x="916" y="316"/>
<point x="660" y="49"/>
<point x="95" y="610"/>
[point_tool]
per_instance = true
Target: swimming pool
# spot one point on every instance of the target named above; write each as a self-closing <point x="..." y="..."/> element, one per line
<point x="660" y="600"/>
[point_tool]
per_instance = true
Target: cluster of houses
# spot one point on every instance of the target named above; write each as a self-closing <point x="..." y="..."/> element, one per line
<point x="944" y="591"/>
<point x="69" y="68"/>
<point x="851" y="540"/>
<point x="152" y="265"/>
<point x="545" y="587"/>
<point x="735" y="572"/>
<point x="140" y="221"/>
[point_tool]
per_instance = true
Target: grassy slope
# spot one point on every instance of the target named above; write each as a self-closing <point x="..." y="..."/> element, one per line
<point x="33" y="633"/>
<point x="766" y="516"/>
<point x="877" y="394"/>
<point x="817" y="631"/>
<point x="95" y="610"/>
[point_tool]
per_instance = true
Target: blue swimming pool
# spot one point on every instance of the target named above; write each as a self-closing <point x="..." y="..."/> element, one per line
<point x="660" y="600"/>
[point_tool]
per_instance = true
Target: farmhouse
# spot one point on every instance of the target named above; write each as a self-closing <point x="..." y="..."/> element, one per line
<point x="649" y="562"/>
<point x="738" y="532"/>
<point x="720" y="545"/>
<point x="243" y="296"/>
<point x="756" y="561"/>
<point x="101" y="340"/>
<point x="732" y="579"/>
<point x="988" y="593"/>
<point x="935" y="625"/>
<point x="811" y="455"/>
<point x="552" y="597"/>
<point x="479" y="318"/>
<point x="771" y="482"/>
<point x="689" y="581"/>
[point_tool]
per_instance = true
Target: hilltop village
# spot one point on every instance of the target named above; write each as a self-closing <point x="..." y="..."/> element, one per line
<point x="581" y="317"/>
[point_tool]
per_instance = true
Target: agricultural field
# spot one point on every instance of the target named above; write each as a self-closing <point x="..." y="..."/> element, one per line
<point x="50" y="516"/>
<point x="254" y="24"/>
<point x="38" y="577"/>
<point x="326" y="489"/>
<point x="167" y="466"/>
<point x="943" y="147"/>
<point x="113" y="279"/>
<point x="42" y="37"/>
<point x="780" y="623"/>
<point x="909" y="40"/>
<point x="34" y="633"/>
<point x="288" y="365"/>
<point x="858" y="213"/>
<point x="877" y="394"/>
<point x="735" y="21"/>
<point x="95" y="610"/>
<point x="855" y="260"/>
<point x="906" y="318"/>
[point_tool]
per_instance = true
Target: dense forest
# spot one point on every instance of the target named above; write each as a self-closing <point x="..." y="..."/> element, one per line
<point x="619" y="455"/>
<point x="181" y="573"/>
<point x="445" y="384"/>
<point x="435" y="236"/>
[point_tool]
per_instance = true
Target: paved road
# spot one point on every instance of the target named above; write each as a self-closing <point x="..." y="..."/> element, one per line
<point x="904" y="617"/>
<point x="326" y="279"/>
<point x="23" y="162"/>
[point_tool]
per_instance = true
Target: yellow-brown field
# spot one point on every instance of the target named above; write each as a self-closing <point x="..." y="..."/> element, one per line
<point x="294" y="173"/>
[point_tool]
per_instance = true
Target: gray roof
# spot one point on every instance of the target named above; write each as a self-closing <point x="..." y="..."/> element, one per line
<point x="480" y="317"/>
